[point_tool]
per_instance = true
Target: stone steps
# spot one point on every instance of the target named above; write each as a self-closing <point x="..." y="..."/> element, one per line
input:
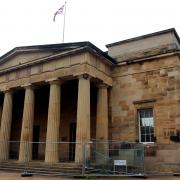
<point x="42" y="168"/>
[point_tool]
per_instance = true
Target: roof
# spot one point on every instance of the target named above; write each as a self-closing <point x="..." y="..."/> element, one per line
<point x="86" y="45"/>
<point x="172" y="30"/>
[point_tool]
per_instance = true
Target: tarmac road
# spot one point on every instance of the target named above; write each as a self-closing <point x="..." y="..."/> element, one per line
<point x="17" y="176"/>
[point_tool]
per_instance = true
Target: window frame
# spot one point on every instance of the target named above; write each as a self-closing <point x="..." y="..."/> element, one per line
<point x="139" y="118"/>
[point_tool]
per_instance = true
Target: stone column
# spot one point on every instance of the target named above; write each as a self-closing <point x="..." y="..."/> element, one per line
<point x="102" y="123"/>
<point x="6" y="126"/>
<point x="83" y="117"/>
<point x="53" y="124"/>
<point x="25" y="152"/>
<point x="102" y="113"/>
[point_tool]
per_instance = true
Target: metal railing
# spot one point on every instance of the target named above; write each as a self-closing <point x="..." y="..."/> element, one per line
<point x="115" y="158"/>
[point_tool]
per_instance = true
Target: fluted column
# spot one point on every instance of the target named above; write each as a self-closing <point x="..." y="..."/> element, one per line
<point x="53" y="124"/>
<point x="25" y="152"/>
<point x="102" y="113"/>
<point x="83" y="117"/>
<point x="6" y="126"/>
<point x="102" y="122"/>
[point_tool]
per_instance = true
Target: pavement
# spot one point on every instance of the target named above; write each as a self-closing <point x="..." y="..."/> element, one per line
<point x="17" y="176"/>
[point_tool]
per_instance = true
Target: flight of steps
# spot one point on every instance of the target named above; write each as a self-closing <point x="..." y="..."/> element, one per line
<point x="69" y="169"/>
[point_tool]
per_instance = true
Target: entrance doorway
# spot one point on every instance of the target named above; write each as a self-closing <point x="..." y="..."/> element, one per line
<point x="35" y="146"/>
<point x="72" y="140"/>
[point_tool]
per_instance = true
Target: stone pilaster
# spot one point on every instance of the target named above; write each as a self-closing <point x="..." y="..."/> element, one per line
<point x="6" y="126"/>
<point x="102" y="121"/>
<point x="25" y="152"/>
<point x="53" y="124"/>
<point x="83" y="117"/>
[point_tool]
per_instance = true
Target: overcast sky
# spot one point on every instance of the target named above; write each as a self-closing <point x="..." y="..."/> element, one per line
<point x="30" y="22"/>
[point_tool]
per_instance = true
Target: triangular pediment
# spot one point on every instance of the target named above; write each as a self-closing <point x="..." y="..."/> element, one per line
<point x="27" y="54"/>
<point x="20" y="58"/>
<point x="23" y="55"/>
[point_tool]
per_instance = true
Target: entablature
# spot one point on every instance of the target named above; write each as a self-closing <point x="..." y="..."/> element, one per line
<point x="67" y="67"/>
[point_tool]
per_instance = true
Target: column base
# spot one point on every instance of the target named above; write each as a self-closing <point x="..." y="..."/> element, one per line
<point x="25" y="153"/>
<point x="52" y="153"/>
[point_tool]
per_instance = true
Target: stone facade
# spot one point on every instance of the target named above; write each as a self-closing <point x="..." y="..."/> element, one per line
<point x="48" y="90"/>
<point x="148" y="77"/>
<point x="146" y="84"/>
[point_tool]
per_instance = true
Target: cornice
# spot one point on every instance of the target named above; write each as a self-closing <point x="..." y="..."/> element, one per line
<point x="149" y="58"/>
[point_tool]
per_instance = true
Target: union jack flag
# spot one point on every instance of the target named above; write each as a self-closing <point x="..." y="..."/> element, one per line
<point x="59" y="11"/>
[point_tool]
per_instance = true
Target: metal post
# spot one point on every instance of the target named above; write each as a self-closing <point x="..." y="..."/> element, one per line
<point x="143" y="149"/>
<point x="64" y="22"/>
<point x="84" y="159"/>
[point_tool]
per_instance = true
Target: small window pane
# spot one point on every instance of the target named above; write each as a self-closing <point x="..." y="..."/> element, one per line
<point x="143" y="130"/>
<point x="148" y="138"/>
<point x="148" y="131"/>
<point x="142" y="138"/>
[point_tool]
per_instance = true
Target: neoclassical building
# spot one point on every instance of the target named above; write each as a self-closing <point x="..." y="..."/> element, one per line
<point x="75" y="92"/>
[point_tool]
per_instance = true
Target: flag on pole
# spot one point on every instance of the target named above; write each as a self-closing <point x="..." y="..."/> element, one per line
<point x="59" y="11"/>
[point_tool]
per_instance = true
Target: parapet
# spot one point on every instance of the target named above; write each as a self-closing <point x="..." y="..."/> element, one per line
<point x="145" y="46"/>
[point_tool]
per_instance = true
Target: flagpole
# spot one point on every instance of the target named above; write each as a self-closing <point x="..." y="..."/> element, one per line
<point x="64" y="22"/>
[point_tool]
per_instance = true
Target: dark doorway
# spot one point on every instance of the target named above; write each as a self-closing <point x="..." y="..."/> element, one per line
<point x="72" y="141"/>
<point x="36" y="130"/>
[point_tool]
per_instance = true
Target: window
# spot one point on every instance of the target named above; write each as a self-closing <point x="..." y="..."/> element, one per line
<point x="146" y="125"/>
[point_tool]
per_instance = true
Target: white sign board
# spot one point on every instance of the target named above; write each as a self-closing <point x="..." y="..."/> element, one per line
<point x="120" y="163"/>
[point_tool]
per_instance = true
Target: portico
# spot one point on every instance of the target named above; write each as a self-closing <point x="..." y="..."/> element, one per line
<point x="36" y="101"/>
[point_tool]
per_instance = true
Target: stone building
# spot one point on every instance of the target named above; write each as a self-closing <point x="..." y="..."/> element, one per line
<point x="74" y="92"/>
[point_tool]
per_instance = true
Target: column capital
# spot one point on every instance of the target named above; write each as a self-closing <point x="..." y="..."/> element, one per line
<point x="6" y="90"/>
<point x="54" y="81"/>
<point x="84" y="76"/>
<point x="27" y="86"/>
<point x="101" y="85"/>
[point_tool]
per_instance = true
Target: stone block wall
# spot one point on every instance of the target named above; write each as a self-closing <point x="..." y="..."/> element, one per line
<point x="164" y="159"/>
<point x="146" y="84"/>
